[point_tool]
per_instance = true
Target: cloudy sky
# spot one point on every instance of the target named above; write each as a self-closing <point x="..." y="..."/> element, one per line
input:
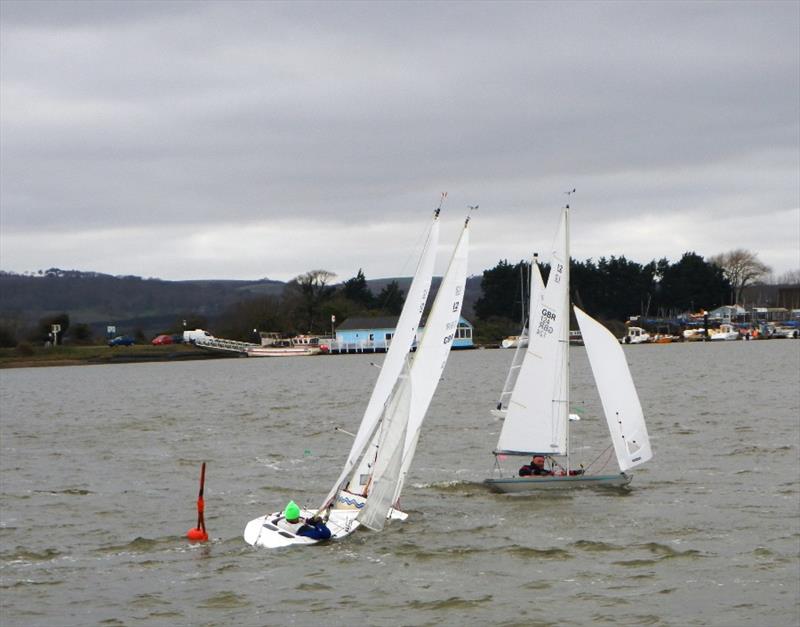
<point x="264" y="139"/>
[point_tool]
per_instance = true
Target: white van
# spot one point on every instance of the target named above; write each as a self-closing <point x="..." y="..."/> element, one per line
<point x="197" y="334"/>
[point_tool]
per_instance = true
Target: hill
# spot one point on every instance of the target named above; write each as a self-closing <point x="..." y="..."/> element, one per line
<point x="128" y="302"/>
<point x="133" y="303"/>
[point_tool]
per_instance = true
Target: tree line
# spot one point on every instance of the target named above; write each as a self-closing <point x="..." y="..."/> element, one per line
<point x="615" y="288"/>
<point x="610" y="289"/>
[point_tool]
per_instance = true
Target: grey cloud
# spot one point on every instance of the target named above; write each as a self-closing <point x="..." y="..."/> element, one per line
<point x="201" y="113"/>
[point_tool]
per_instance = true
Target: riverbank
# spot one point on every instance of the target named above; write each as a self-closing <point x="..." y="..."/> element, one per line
<point x="93" y="355"/>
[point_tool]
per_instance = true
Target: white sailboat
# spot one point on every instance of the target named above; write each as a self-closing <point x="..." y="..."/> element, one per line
<point x="386" y="439"/>
<point x="537" y="421"/>
<point x="425" y="372"/>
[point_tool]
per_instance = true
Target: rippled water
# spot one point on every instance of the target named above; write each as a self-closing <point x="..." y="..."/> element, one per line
<point x="99" y="479"/>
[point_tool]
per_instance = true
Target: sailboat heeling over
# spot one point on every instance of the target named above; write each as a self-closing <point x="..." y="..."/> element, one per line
<point x="425" y="372"/>
<point x="536" y="420"/>
<point x="617" y="392"/>
<point x="427" y="365"/>
<point x="386" y="471"/>
<point x="434" y="348"/>
<point x="402" y="341"/>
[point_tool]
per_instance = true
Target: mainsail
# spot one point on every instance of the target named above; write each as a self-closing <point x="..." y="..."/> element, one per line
<point x="536" y="421"/>
<point x="386" y="471"/>
<point x="617" y="393"/>
<point x="392" y="366"/>
<point x="434" y="347"/>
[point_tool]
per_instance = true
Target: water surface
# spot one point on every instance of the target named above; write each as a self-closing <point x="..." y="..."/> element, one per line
<point x="99" y="479"/>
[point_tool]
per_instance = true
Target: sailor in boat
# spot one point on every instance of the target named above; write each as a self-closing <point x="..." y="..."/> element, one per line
<point x="310" y="527"/>
<point x="536" y="467"/>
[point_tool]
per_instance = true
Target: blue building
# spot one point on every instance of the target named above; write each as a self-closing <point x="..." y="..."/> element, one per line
<point x="374" y="335"/>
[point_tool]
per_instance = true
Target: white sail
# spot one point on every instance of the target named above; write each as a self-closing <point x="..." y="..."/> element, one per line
<point x="537" y="291"/>
<point x="617" y="393"/>
<point x="386" y="471"/>
<point x="434" y="348"/>
<point x="536" y="421"/>
<point x="402" y="341"/>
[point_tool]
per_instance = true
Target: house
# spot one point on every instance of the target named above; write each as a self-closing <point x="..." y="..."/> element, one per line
<point x="770" y="314"/>
<point x="374" y="335"/>
<point x="728" y="314"/>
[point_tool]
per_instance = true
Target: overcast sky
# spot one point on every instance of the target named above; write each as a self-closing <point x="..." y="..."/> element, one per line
<point x="264" y="139"/>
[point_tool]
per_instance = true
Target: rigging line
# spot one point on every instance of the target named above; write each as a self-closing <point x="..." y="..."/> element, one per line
<point x="603" y="452"/>
<point x="422" y="237"/>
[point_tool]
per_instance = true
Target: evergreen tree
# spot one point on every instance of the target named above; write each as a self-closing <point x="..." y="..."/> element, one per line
<point x="391" y="298"/>
<point x="692" y="283"/>
<point x="357" y="291"/>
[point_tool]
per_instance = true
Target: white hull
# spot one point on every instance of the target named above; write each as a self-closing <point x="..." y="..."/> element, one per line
<point x="514" y="342"/>
<point x="521" y="485"/>
<point x="295" y="351"/>
<point x="266" y="532"/>
<point x="725" y="337"/>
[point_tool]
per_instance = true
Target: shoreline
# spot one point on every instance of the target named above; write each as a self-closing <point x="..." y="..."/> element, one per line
<point x="102" y="355"/>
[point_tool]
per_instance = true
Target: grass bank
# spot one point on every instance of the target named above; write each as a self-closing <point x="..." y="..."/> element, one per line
<point x="84" y="355"/>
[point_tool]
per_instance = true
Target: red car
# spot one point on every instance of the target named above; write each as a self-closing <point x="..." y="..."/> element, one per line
<point x="162" y="339"/>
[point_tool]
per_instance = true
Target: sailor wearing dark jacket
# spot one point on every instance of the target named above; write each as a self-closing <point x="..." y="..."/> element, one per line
<point x="536" y="467"/>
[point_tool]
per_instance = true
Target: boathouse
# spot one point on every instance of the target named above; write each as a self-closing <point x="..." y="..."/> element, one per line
<point x="728" y="313"/>
<point x="374" y="335"/>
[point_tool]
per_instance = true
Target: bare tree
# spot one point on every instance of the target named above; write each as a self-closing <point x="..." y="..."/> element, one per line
<point x="313" y="289"/>
<point x="791" y="277"/>
<point x="742" y="268"/>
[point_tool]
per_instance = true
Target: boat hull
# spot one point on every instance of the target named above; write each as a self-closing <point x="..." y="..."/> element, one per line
<point x="266" y="532"/>
<point x="520" y="485"/>
<point x="266" y="351"/>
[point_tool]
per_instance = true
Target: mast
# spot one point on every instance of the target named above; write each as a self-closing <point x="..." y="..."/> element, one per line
<point x="565" y="326"/>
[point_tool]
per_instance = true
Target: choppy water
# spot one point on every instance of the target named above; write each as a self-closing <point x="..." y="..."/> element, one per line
<point x="100" y="467"/>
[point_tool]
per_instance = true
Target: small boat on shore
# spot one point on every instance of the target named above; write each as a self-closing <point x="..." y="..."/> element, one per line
<point x="636" y="335"/>
<point x="515" y="341"/>
<point x="725" y="333"/>
<point x="273" y="345"/>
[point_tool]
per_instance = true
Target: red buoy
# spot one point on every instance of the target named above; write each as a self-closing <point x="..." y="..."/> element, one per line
<point x="199" y="534"/>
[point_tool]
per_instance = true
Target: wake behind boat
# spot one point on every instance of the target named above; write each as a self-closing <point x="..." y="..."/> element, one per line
<point x="537" y="420"/>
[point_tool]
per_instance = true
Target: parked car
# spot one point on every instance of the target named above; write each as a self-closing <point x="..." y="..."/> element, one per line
<point x="162" y="339"/>
<point x="121" y="340"/>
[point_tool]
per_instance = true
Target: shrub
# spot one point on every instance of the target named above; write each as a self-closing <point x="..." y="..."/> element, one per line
<point x="24" y="349"/>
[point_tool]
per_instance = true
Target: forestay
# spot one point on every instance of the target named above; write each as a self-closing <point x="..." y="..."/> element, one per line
<point x="536" y="421"/>
<point x="617" y="393"/>
<point x="402" y="341"/>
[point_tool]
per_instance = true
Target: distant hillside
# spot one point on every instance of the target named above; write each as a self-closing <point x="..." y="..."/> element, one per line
<point x="131" y="302"/>
<point x="125" y="301"/>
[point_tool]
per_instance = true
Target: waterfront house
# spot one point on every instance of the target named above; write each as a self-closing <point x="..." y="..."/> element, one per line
<point x="728" y="314"/>
<point x="770" y="314"/>
<point x="374" y="335"/>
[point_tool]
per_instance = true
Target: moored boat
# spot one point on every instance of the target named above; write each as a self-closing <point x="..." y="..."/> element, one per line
<point x="273" y="345"/>
<point x="726" y="333"/>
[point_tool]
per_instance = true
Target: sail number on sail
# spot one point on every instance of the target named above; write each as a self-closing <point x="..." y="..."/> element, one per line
<point x="545" y="327"/>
